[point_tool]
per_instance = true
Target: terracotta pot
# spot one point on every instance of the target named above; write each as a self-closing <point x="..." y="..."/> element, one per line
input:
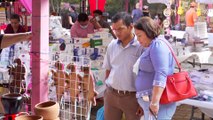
<point x="49" y="110"/>
<point x="29" y="117"/>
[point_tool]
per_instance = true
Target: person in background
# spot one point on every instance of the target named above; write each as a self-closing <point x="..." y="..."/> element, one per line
<point x="98" y="15"/>
<point x="14" y="27"/>
<point x="83" y="26"/>
<point x="159" y="21"/>
<point x="72" y="16"/>
<point x="7" y="40"/>
<point x="64" y="13"/>
<point x="191" y="18"/>
<point x="145" y="11"/>
<point x="105" y="16"/>
<point x="122" y="53"/>
<point x="136" y="13"/>
<point x="154" y="65"/>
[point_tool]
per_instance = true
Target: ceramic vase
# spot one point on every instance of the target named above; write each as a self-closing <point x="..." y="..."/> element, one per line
<point x="49" y="110"/>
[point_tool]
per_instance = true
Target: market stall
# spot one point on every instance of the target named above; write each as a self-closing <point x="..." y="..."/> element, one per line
<point x="202" y="79"/>
<point x="202" y="74"/>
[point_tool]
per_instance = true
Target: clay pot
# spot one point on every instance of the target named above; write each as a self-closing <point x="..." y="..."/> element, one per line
<point x="49" y="110"/>
<point x="29" y="117"/>
<point x="12" y="103"/>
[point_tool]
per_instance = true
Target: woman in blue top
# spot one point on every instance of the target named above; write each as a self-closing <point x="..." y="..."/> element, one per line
<point x="153" y="67"/>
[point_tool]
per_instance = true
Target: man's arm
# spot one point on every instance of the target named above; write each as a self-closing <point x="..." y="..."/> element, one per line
<point x="10" y="39"/>
<point x="70" y="20"/>
<point x="107" y="74"/>
<point x="95" y="23"/>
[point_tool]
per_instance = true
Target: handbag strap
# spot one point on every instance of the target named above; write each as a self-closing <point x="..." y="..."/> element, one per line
<point x="173" y="54"/>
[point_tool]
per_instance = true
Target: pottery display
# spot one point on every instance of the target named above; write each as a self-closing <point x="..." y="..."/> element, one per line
<point x="18" y="73"/>
<point x="73" y="83"/>
<point x="49" y="110"/>
<point x="88" y="85"/>
<point x="60" y="78"/>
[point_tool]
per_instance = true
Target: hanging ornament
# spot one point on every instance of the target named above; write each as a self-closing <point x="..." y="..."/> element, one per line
<point x="180" y="9"/>
<point x="166" y="23"/>
<point x="198" y="10"/>
<point x="167" y="12"/>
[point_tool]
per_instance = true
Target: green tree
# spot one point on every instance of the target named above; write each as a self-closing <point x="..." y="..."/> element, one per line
<point x="114" y="6"/>
<point x="55" y="5"/>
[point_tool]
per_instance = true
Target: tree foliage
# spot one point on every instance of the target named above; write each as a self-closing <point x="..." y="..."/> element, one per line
<point x="114" y="6"/>
<point x="55" y="5"/>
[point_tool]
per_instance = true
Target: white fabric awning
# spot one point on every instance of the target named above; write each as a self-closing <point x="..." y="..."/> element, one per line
<point x="205" y="1"/>
<point x="159" y="1"/>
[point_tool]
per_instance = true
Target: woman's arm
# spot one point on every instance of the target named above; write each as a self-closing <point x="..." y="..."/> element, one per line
<point x="10" y="39"/>
<point x="70" y="20"/>
<point x="160" y="57"/>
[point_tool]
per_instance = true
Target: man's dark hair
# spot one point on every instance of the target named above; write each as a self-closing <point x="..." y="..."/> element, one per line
<point x="82" y="17"/>
<point x="99" y="12"/>
<point x="15" y="16"/>
<point x="125" y="17"/>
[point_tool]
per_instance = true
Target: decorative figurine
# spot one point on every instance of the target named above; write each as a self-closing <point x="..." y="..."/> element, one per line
<point x="18" y="74"/>
<point x="60" y="79"/>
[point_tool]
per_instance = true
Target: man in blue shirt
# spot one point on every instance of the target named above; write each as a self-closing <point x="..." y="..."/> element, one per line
<point x="136" y="13"/>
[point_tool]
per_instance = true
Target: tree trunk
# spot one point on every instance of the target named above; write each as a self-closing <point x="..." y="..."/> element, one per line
<point x="52" y="7"/>
<point x="126" y="5"/>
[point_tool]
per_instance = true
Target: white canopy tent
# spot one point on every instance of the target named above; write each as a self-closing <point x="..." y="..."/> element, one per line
<point x="159" y="1"/>
<point x="205" y="1"/>
<point x="167" y="1"/>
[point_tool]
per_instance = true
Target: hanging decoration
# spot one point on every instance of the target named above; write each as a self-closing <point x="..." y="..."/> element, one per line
<point x="180" y="9"/>
<point x="198" y="10"/>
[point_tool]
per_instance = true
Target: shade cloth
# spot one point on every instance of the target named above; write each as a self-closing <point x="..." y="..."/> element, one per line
<point x="27" y="4"/>
<point x="93" y="3"/>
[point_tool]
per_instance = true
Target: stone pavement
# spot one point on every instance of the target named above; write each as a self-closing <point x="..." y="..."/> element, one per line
<point x="183" y="112"/>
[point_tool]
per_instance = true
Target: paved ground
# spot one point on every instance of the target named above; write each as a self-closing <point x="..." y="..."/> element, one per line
<point x="183" y="112"/>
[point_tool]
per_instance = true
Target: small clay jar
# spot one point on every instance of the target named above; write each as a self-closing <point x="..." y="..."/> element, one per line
<point x="29" y="117"/>
<point x="49" y="110"/>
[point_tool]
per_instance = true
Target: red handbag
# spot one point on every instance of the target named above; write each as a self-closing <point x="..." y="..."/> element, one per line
<point x="178" y="85"/>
